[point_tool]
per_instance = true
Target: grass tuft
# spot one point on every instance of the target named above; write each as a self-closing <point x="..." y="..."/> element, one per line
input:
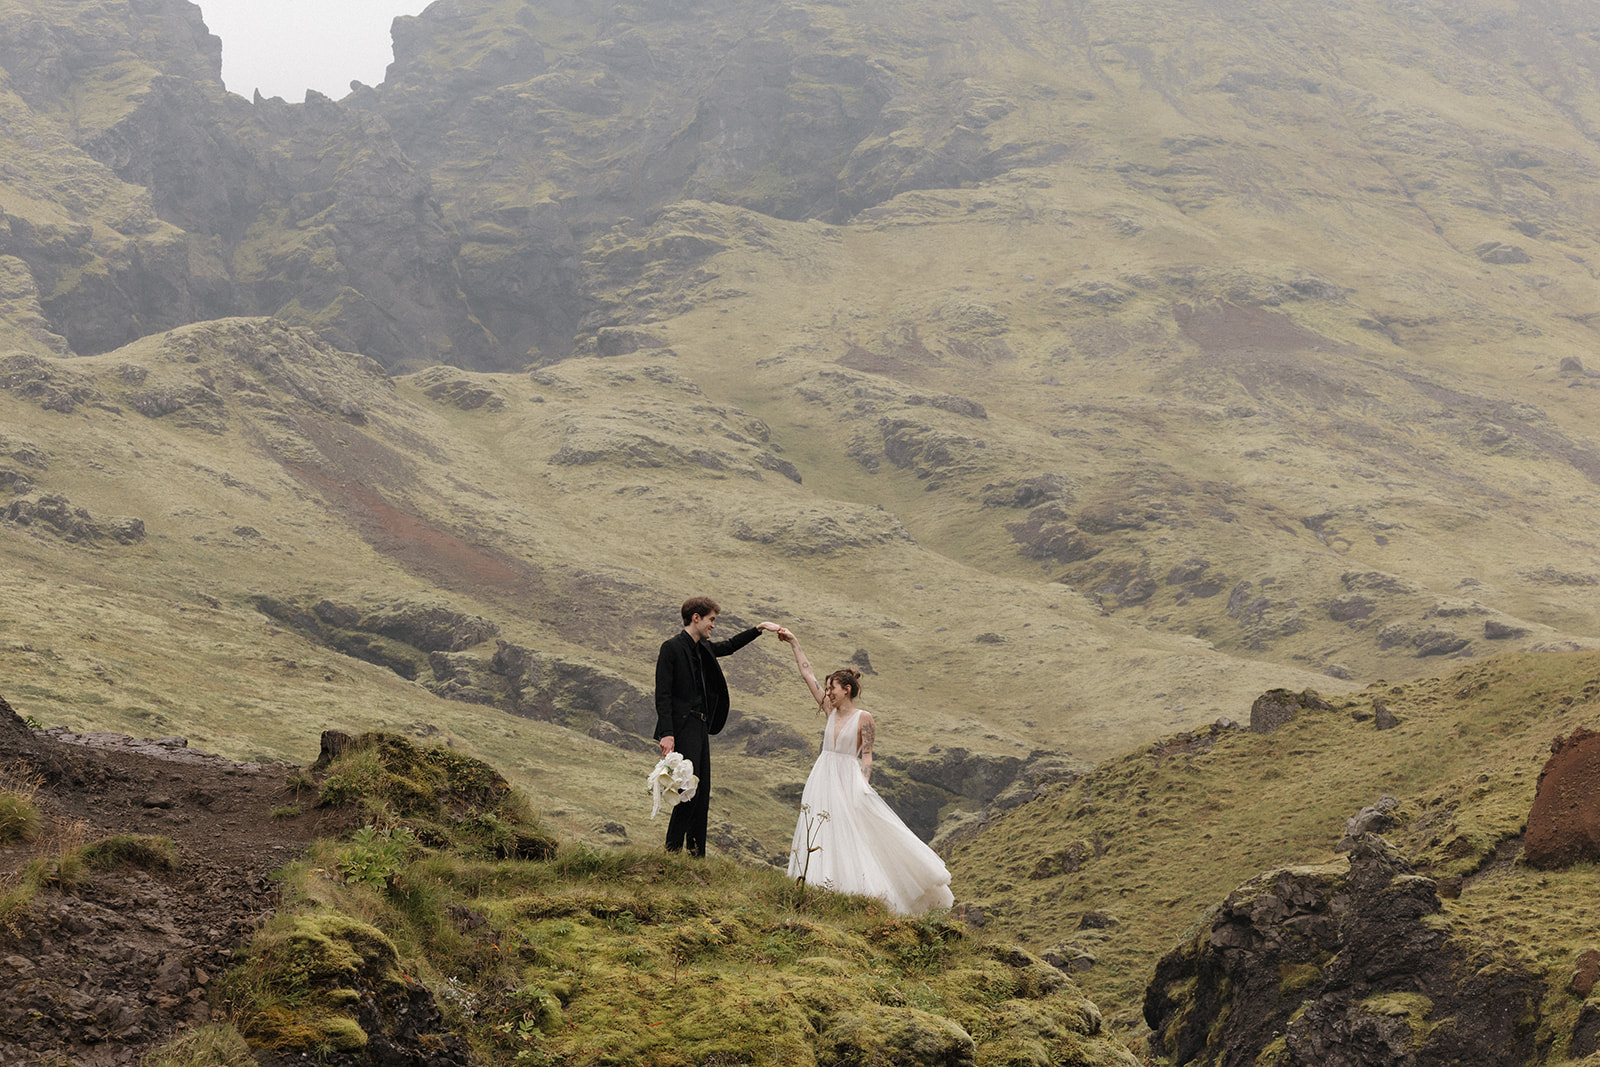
<point x="19" y="816"/>
<point x="205" y="1046"/>
<point x="131" y="850"/>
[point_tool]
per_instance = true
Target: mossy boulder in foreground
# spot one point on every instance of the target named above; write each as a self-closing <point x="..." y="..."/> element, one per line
<point x="332" y="983"/>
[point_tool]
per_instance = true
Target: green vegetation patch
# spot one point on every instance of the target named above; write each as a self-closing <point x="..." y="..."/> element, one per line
<point x="205" y="1046"/>
<point x="301" y="977"/>
<point x="131" y="850"/>
<point x="440" y="798"/>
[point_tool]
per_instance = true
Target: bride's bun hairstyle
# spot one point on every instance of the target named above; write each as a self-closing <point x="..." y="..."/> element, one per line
<point x="848" y="677"/>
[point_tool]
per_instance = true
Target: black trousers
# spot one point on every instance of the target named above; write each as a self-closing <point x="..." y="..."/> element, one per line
<point x="687" y="827"/>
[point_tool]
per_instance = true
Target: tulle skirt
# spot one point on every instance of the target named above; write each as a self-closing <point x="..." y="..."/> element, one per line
<point x="857" y="844"/>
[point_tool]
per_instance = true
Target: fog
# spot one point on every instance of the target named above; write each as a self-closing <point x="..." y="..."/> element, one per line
<point x="285" y="47"/>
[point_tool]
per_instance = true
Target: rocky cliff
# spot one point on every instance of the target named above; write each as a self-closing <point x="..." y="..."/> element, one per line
<point x="1341" y="966"/>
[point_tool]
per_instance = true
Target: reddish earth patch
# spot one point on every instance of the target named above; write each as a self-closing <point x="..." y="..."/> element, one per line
<point x="1234" y="328"/>
<point x="904" y="363"/>
<point x="419" y="546"/>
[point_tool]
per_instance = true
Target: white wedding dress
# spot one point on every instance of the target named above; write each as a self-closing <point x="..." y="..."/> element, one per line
<point x="865" y="848"/>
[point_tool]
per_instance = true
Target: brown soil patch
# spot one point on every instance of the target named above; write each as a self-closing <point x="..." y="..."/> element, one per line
<point x="422" y="548"/>
<point x="100" y="972"/>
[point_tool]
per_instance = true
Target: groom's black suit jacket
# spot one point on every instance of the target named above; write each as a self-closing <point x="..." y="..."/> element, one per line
<point x="678" y="694"/>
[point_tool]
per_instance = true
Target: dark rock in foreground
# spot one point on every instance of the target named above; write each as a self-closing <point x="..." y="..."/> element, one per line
<point x="1333" y="967"/>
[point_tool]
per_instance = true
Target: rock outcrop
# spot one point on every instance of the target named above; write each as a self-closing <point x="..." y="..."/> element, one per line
<point x="1340" y="966"/>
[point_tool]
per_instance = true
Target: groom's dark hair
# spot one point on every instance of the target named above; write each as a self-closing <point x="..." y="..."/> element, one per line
<point x="698" y="605"/>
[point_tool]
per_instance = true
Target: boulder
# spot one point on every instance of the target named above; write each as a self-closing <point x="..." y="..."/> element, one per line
<point x="1564" y="822"/>
<point x="1499" y="631"/>
<point x="1372" y="819"/>
<point x="1383" y="718"/>
<point x="1277" y="706"/>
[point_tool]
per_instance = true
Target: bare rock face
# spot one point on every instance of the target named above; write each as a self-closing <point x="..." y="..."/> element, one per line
<point x="1334" y="967"/>
<point x="1564" y="822"/>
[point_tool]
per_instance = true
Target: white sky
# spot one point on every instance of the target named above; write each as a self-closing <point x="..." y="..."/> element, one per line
<point x="284" y="47"/>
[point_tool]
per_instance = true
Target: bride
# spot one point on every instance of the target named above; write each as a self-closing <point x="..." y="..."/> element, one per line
<point x="848" y="839"/>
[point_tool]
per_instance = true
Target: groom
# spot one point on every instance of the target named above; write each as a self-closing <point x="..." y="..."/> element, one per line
<point x="691" y="705"/>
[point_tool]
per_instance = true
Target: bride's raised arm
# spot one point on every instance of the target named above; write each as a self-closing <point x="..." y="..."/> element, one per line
<point x="787" y="637"/>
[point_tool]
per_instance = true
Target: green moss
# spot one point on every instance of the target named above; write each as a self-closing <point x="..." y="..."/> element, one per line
<point x="343" y="1034"/>
<point x="1413" y="1007"/>
<point x="446" y="799"/>
<point x="300" y="977"/>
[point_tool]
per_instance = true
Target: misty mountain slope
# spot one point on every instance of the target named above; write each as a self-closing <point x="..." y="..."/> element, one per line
<point x="1236" y="476"/>
<point x="237" y="533"/>
<point x="1076" y="324"/>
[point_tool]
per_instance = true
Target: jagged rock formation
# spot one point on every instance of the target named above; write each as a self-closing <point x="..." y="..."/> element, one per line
<point x="1340" y="966"/>
<point x="441" y="216"/>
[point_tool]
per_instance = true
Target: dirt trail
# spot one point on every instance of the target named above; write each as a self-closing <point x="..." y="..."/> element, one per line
<point x="101" y="973"/>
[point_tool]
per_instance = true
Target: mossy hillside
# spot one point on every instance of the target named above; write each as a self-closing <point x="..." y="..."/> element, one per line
<point x="1112" y="869"/>
<point x="1256" y="544"/>
<point x="629" y="956"/>
<point x="240" y="471"/>
<point x="623" y="955"/>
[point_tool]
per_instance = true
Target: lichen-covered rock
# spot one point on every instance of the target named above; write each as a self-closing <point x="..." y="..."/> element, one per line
<point x="1340" y="966"/>
<point x="815" y="531"/>
<point x="1277" y="706"/>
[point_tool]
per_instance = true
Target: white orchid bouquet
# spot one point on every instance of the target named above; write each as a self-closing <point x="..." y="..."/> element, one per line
<point x="672" y="782"/>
